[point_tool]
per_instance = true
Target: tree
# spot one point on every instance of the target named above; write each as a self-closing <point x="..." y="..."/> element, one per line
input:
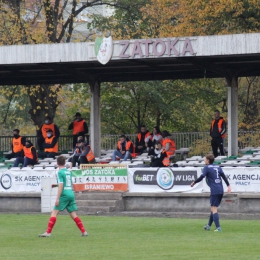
<point x="249" y="105"/>
<point x="73" y="98"/>
<point x="14" y="105"/>
<point x="181" y="105"/>
<point x="44" y="21"/>
<point x="203" y="17"/>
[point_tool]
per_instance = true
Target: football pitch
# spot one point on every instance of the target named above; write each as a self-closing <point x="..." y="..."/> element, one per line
<point x="127" y="238"/>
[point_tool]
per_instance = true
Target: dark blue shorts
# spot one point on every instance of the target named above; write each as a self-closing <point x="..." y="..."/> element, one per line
<point x="215" y="200"/>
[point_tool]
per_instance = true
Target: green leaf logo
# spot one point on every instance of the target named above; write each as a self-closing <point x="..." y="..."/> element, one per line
<point x="98" y="42"/>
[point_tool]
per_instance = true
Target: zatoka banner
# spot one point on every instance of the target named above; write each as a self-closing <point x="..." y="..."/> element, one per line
<point x="100" y="179"/>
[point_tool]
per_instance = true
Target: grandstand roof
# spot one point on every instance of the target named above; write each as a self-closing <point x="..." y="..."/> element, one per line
<point x="142" y="60"/>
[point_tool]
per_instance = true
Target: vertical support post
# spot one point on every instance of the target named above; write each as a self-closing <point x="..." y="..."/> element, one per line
<point x="233" y="117"/>
<point x="95" y="125"/>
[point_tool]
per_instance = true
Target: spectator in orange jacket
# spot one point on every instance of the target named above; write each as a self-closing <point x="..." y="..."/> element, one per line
<point x="218" y="130"/>
<point x="79" y="127"/>
<point x="169" y="146"/>
<point x="124" y="149"/>
<point x="42" y="134"/>
<point x="50" y="146"/>
<point x="18" y="143"/>
<point x="28" y="156"/>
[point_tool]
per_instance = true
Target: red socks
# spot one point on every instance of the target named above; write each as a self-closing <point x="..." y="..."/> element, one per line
<point x="77" y="220"/>
<point x="51" y="224"/>
<point x="79" y="224"/>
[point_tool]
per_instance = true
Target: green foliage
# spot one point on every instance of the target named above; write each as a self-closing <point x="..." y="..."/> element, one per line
<point x="249" y="105"/>
<point x="14" y="107"/>
<point x="181" y="105"/>
<point x="73" y="98"/>
<point x="126" y="23"/>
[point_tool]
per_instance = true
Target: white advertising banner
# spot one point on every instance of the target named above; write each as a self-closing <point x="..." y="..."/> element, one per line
<point x="163" y="179"/>
<point x="241" y="179"/>
<point x="23" y="180"/>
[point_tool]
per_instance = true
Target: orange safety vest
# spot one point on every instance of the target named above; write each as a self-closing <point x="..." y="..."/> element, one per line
<point x="28" y="152"/>
<point x="127" y="147"/>
<point x="53" y="149"/>
<point x="166" y="160"/>
<point x="139" y="136"/>
<point x="90" y="156"/>
<point x="78" y="126"/>
<point x="17" y="144"/>
<point x="172" y="148"/>
<point x="220" y="121"/>
<point x="45" y="127"/>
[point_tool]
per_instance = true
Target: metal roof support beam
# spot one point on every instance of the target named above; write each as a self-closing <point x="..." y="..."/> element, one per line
<point x="95" y="121"/>
<point x="233" y="116"/>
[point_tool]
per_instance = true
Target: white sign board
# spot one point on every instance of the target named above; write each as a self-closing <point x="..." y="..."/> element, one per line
<point x="23" y="180"/>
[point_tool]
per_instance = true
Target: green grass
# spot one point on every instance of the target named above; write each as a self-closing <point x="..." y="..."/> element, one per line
<point x="127" y="238"/>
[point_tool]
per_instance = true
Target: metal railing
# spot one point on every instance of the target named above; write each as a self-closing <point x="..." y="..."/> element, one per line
<point x="198" y="142"/>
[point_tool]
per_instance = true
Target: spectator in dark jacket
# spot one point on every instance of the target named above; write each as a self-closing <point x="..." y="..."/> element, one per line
<point x="87" y="156"/>
<point x="77" y="152"/>
<point x="140" y="146"/>
<point x="155" y="136"/>
<point x="159" y="155"/>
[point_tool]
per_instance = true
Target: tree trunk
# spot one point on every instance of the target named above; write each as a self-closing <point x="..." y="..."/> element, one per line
<point x="44" y="101"/>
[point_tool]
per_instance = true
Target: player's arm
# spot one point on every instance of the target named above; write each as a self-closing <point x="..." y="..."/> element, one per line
<point x="223" y="176"/>
<point x="197" y="180"/>
<point x="204" y="173"/>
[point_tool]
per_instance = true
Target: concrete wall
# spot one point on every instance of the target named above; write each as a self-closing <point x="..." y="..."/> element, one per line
<point x="20" y="202"/>
<point x="244" y="203"/>
<point x="190" y="202"/>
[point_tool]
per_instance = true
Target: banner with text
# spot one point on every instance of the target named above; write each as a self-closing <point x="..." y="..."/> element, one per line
<point x="100" y="179"/>
<point x="135" y="179"/>
<point x="23" y="180"/>
<point x="245" y="179"/>
<point x="163" y="179"/>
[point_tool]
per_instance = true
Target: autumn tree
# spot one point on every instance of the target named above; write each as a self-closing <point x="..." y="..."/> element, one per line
<point x="200" y="17"/>
<point x="212" y="17"/>
<point x="45" y="21"/>
<point x="173" y="105"/>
